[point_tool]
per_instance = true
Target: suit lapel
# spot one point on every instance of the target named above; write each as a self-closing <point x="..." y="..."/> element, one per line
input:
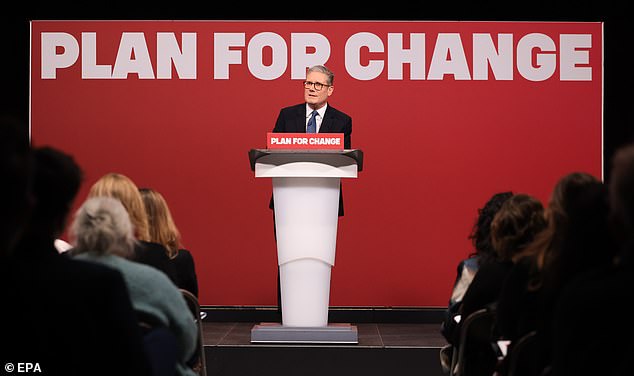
<point x="327" y="122"/>
<point x="300" y="119"/>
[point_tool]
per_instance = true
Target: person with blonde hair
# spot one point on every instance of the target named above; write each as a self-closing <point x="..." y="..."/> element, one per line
<point x="102" y="233"/>
<point x="163" y="230"/>
<point x="126" y="191"/>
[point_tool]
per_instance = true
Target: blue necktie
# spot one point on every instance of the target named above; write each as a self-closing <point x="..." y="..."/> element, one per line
<point x="312" y="123"/>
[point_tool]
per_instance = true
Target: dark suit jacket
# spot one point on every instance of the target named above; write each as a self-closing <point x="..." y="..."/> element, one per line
<point x="293" y="120"/>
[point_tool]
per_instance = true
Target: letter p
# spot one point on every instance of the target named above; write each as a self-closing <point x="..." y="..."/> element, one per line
<point x="51" y="60"/>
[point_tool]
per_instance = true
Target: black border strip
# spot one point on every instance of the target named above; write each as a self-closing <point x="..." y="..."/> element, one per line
<point x="420" y="315"/>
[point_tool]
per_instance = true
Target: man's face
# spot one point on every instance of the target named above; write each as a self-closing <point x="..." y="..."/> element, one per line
<point x="317" y="98"/>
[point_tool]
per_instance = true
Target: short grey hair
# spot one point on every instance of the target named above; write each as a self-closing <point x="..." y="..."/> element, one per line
<point x="322" y="69"/>
<point x="102" y="225"/>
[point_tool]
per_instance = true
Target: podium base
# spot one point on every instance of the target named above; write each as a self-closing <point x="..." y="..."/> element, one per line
<point x="330" y="334"/>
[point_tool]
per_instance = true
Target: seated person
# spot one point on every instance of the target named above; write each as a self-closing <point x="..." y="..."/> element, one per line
<point x="514" y="226"/>
<point x="467" y="268"/>
<point x="103" y="234"/>
<point x="71" y="317"/>
<point x="163" y="231"/>
<point x="125" y="190"/>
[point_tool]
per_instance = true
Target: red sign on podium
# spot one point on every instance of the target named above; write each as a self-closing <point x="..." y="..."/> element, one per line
<point x="311" y="141"/>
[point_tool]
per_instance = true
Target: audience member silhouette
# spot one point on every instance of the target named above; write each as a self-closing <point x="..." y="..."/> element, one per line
<point x="571" y="244"/>
<point x="102" y="233"/>
<point x="592" y="332"/>
<point x="163" y="230"/>
<point x="480" y="237"/>
<point x="514" y="226"/>
<point x="68" y="316"/>
<point x="15" y="190"/>
<point x="125" y="190"/>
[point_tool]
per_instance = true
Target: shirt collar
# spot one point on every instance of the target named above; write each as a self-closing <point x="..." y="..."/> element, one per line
<point x="320" y="112"/>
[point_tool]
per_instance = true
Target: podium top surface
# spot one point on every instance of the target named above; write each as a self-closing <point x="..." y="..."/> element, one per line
<point x="355" y="154"/>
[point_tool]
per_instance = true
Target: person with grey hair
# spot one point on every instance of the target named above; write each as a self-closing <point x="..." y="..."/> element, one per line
<point x="314" y="115"/>
<point x="102" y="233"/>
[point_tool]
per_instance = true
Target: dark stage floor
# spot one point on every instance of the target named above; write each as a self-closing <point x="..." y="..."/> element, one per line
<point x="383" y="349"/>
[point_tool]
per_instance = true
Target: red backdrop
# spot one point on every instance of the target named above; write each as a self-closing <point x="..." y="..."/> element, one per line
<point x="436" y="147"/>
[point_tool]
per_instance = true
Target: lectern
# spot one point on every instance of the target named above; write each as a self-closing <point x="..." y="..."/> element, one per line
<point x="306" y="188"/>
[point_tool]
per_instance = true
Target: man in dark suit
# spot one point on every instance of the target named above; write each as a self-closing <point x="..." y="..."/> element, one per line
<point x="314" y="116"/>
<point x="318" y="87"/>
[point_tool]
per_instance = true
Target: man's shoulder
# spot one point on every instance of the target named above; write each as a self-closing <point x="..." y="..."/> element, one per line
<point x="293" y="108"/>
<point x="332" y="111"/>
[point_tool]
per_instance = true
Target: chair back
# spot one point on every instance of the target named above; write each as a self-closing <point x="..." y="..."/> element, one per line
<point x="476" y="352"/>
<point x="198" y="361"/>
<point x="524" y="357"/>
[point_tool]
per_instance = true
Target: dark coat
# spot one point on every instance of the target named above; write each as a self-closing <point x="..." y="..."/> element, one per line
<point x="293" y="120"/>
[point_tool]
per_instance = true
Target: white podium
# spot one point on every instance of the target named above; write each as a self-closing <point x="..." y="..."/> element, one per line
<point x="306" y="188"/>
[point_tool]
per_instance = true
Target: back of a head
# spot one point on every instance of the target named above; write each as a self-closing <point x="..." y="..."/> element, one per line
<point x="102" y="225"/>
<point x="587" y="240"/>
<point x="125" y="190"/>
<point x="621" y="189"/>
<point x="162" y="228"/>
<point x="567" y="187"/>
<point x="15" y="190"/>
<point x="516" y="224"/>
<point x="57" y="179"/>
<point x="569" y="201"/>
<point x="481" y="232"/>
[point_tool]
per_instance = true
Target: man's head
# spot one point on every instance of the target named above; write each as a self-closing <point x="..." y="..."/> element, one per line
<point x="15" y="191"/>
<point x="318" y="86"/>
<point x="56" y="182"/>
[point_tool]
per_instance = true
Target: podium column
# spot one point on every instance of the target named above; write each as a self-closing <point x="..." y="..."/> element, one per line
<point x="306" y="188"/>
<point x="306" y="215"/>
